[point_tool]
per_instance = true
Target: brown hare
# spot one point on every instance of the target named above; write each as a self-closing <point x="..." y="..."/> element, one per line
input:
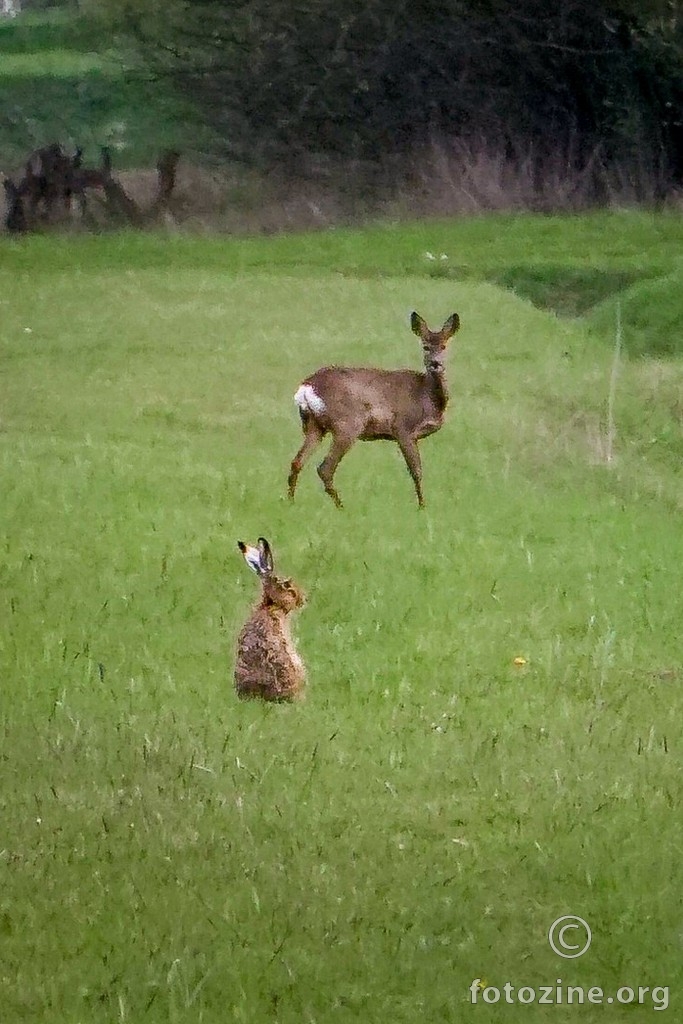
<point x="268" y="665"/>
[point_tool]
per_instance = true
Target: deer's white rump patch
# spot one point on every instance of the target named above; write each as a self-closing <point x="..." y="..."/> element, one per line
<point x="309" y="400"/>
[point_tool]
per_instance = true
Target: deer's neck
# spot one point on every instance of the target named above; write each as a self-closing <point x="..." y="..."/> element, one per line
<point x="437" y="388"/>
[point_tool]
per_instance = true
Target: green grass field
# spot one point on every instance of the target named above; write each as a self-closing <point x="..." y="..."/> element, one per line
<point x="170" y="854"/>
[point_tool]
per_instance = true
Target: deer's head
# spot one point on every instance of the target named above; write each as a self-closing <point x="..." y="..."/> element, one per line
<point x="434" y="342"/>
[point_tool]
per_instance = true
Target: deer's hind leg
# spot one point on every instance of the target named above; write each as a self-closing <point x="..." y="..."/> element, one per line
<point x="328" y="467"/>
<point x="313" y="435"/>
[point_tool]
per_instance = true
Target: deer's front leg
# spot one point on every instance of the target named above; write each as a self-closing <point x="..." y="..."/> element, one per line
<point x="409" y="450"/>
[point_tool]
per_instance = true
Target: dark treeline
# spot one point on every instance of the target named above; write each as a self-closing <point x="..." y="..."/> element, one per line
<point x="279" y="80"/>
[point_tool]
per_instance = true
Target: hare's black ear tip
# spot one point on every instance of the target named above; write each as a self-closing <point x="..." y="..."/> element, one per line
<point x="242" y="546"/>
<point x="262" y="540"/>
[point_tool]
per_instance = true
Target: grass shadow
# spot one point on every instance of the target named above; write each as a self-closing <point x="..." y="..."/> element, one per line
<point x="568" y="291"/>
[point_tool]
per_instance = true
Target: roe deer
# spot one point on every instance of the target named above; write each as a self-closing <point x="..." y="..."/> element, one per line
<point x="49" y="177"/>
<point x="364" y="404"/>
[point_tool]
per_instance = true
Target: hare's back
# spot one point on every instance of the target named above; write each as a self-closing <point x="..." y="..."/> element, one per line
<point x="267" y="665"/>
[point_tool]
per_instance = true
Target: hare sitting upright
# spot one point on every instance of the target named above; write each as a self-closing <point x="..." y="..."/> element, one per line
<point x="268" y="665"/>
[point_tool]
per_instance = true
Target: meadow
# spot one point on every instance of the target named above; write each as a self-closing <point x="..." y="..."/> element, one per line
<point x="492" y="732"/>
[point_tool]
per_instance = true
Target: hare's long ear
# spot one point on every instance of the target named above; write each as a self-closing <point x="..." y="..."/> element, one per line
<point x="252" y="556"/>
<point x="265" y="556"/>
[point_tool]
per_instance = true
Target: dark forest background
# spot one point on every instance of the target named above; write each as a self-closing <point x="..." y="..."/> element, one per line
<point x="488" y="103"/>
<point x="594" y="84"/>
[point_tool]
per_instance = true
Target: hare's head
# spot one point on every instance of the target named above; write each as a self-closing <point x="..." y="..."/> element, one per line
<point x="278" y="592"/>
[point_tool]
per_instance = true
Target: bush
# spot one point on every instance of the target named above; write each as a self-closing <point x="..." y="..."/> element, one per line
<point x="279" y="81"/>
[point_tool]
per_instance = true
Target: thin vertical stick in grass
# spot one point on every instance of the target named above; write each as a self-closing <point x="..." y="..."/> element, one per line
<point x="613" y="387"/>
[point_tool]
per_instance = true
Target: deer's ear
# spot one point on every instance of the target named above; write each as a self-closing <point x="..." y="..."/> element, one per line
<point x="265" y="556"/>
<point x="451" y="326"/>
<point x="417" y="324"/>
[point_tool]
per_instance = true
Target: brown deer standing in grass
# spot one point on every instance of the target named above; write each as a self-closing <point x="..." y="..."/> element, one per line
<point x="117" y="201"/>
<point x="49" y="179"/>
<point x="52" y="177"/>
<point x="364" y="404"/>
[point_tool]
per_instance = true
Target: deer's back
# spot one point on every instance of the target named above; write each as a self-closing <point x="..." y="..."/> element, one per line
<point x="372" y="401"/>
